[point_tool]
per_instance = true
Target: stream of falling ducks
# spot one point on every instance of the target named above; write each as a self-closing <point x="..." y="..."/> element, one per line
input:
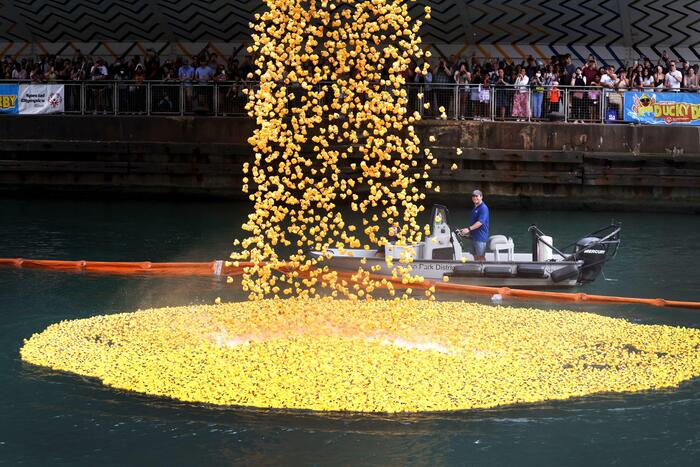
<point x="332" y="128"/>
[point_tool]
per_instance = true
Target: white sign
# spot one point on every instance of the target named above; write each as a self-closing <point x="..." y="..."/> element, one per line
<point x="41" y="98"/>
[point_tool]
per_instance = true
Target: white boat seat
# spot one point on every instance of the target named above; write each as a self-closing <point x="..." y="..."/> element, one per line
<point x="499" y="243"/>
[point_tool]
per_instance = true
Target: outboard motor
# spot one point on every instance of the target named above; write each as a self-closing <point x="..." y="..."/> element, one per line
<point x="593" y="255"/>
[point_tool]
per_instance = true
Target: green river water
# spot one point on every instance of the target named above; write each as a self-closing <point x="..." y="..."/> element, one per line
<point x="48" y="418"/>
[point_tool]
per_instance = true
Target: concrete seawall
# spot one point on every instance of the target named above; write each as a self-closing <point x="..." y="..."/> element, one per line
<point x="518" y="164"/>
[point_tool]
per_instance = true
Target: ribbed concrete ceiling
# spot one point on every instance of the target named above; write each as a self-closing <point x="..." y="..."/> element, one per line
<point x="635" y="24"/>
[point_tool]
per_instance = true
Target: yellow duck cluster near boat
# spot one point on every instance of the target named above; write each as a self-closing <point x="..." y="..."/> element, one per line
<point x="367" y="356"/>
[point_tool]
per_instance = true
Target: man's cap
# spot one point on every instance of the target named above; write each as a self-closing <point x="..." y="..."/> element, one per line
<point x="477" y="193"/>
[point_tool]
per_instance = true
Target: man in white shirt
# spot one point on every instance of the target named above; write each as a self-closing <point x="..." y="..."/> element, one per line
<point x="19" y="73"/>
<point x="609" y="79"/>
<point x="674" y="78"/>
<point x="99" y="70"/>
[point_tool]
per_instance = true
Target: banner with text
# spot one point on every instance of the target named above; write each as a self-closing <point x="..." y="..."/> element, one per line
<point x="8" y="98"/>
<point x="41" y="98"/>
<point x="663" y="108"/>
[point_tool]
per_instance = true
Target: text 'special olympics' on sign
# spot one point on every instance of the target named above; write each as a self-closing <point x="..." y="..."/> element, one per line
<point x="41" y="99"/>
<point x="662" y="108"/>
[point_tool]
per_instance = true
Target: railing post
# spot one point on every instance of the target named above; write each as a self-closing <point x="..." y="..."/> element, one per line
<point x="455" y="101"/>
<point x="82" y="98"/>
<point x="182" y="100"/>
<point x="421" y="91"/>
<point x="601" y="104"/>
<point x="115" y="99"/>
<point x="566" y="104"/>
<point x="529" y="104"/>
<point x="604" y="104"/>
<point x="148" y="98"/>
<point x="216" y="99"/>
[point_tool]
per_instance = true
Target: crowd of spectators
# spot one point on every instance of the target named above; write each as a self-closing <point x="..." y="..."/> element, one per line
<point x="129" y="74"/>
<point x="533" y="88"/>
<point x="206" y="66"/>
<point x="203" y="67"/>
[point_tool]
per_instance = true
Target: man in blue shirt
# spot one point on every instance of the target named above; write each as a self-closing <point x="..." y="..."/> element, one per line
<point x="478" y="230"/>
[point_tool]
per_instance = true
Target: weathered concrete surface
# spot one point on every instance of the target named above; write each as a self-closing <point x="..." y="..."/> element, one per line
<point x="525" y="164"/>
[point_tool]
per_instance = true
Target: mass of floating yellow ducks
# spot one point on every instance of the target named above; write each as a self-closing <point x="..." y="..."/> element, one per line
<point x="367" y="356"/>
<point x="332" y="128"/>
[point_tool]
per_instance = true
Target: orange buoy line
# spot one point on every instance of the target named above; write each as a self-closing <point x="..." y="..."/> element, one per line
<point x="533" y="294"/>
<point x="224" y="268"/>
<point x="212" y="268"/>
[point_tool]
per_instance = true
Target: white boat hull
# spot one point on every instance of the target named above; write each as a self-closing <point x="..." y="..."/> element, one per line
<point x="437" y="269"/>
<point x="441" y="254"/>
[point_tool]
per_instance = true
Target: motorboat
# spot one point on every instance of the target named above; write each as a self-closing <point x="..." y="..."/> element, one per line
<point x="443" y="253"/>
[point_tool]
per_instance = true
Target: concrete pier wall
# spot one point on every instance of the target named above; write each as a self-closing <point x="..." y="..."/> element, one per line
<point x="519" y="164"/>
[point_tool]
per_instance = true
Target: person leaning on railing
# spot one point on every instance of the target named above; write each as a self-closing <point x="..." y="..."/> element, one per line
<point x="36" y="76"/>
<point x="623" y="83"/>
<point x="220" y="74"/>
<point x="234" y="98"/>
<point x="520" y="104"/>
<point x="636" y="77"/>
<point x="594" y="92"/>
<point x="578" y="98"/>
<point x="554" y="98"/>
<point x="473" y="110"/>
<point x="537" y="86"/>
<point x="484" y="103"/>
<point x="659" y="77"/>
<point x="691" y="81"/>
<point x="501" y="90"/>
<point x="424" y="80"/>
<point x="137" y="91"/>
<point x="590" y="70"/>
<point x="19" y="73"/>
<point x="609" y="82"/>
<point x="647" y="80"/>
<point x="674" y="78"/>
<point x="443" y="79"/>
<point x="98" y="72"/>
<point x="462" y="78"/>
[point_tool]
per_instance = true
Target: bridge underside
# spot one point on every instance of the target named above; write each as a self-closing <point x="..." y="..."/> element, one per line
<point x="611" y="30"/>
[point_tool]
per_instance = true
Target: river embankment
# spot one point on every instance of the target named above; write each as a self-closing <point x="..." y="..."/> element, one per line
<point x="517" y="164"/>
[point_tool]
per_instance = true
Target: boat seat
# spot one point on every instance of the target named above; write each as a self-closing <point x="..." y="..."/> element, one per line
<point x="498" y="243"/>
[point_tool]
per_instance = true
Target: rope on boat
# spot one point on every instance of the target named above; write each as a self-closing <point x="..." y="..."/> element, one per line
<point x="221" y="268"/>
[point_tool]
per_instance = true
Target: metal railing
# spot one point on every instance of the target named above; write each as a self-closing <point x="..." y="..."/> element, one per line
<point x="221" y="98"/>
<point x="517" y="103"/>
<point x="459" y="101"/>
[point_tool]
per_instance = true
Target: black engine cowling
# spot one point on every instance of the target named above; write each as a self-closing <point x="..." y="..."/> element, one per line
<point x="593" y="256"/>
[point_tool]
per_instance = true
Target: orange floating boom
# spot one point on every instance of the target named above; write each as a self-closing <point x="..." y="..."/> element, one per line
<point x="212" y="268"/>
<point x="219" y="268"/>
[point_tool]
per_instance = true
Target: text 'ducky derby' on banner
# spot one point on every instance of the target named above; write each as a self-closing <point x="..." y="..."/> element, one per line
<point x="41" y="98"/>
<point x="663" y="108"/>
<point x="9" y="104"/>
